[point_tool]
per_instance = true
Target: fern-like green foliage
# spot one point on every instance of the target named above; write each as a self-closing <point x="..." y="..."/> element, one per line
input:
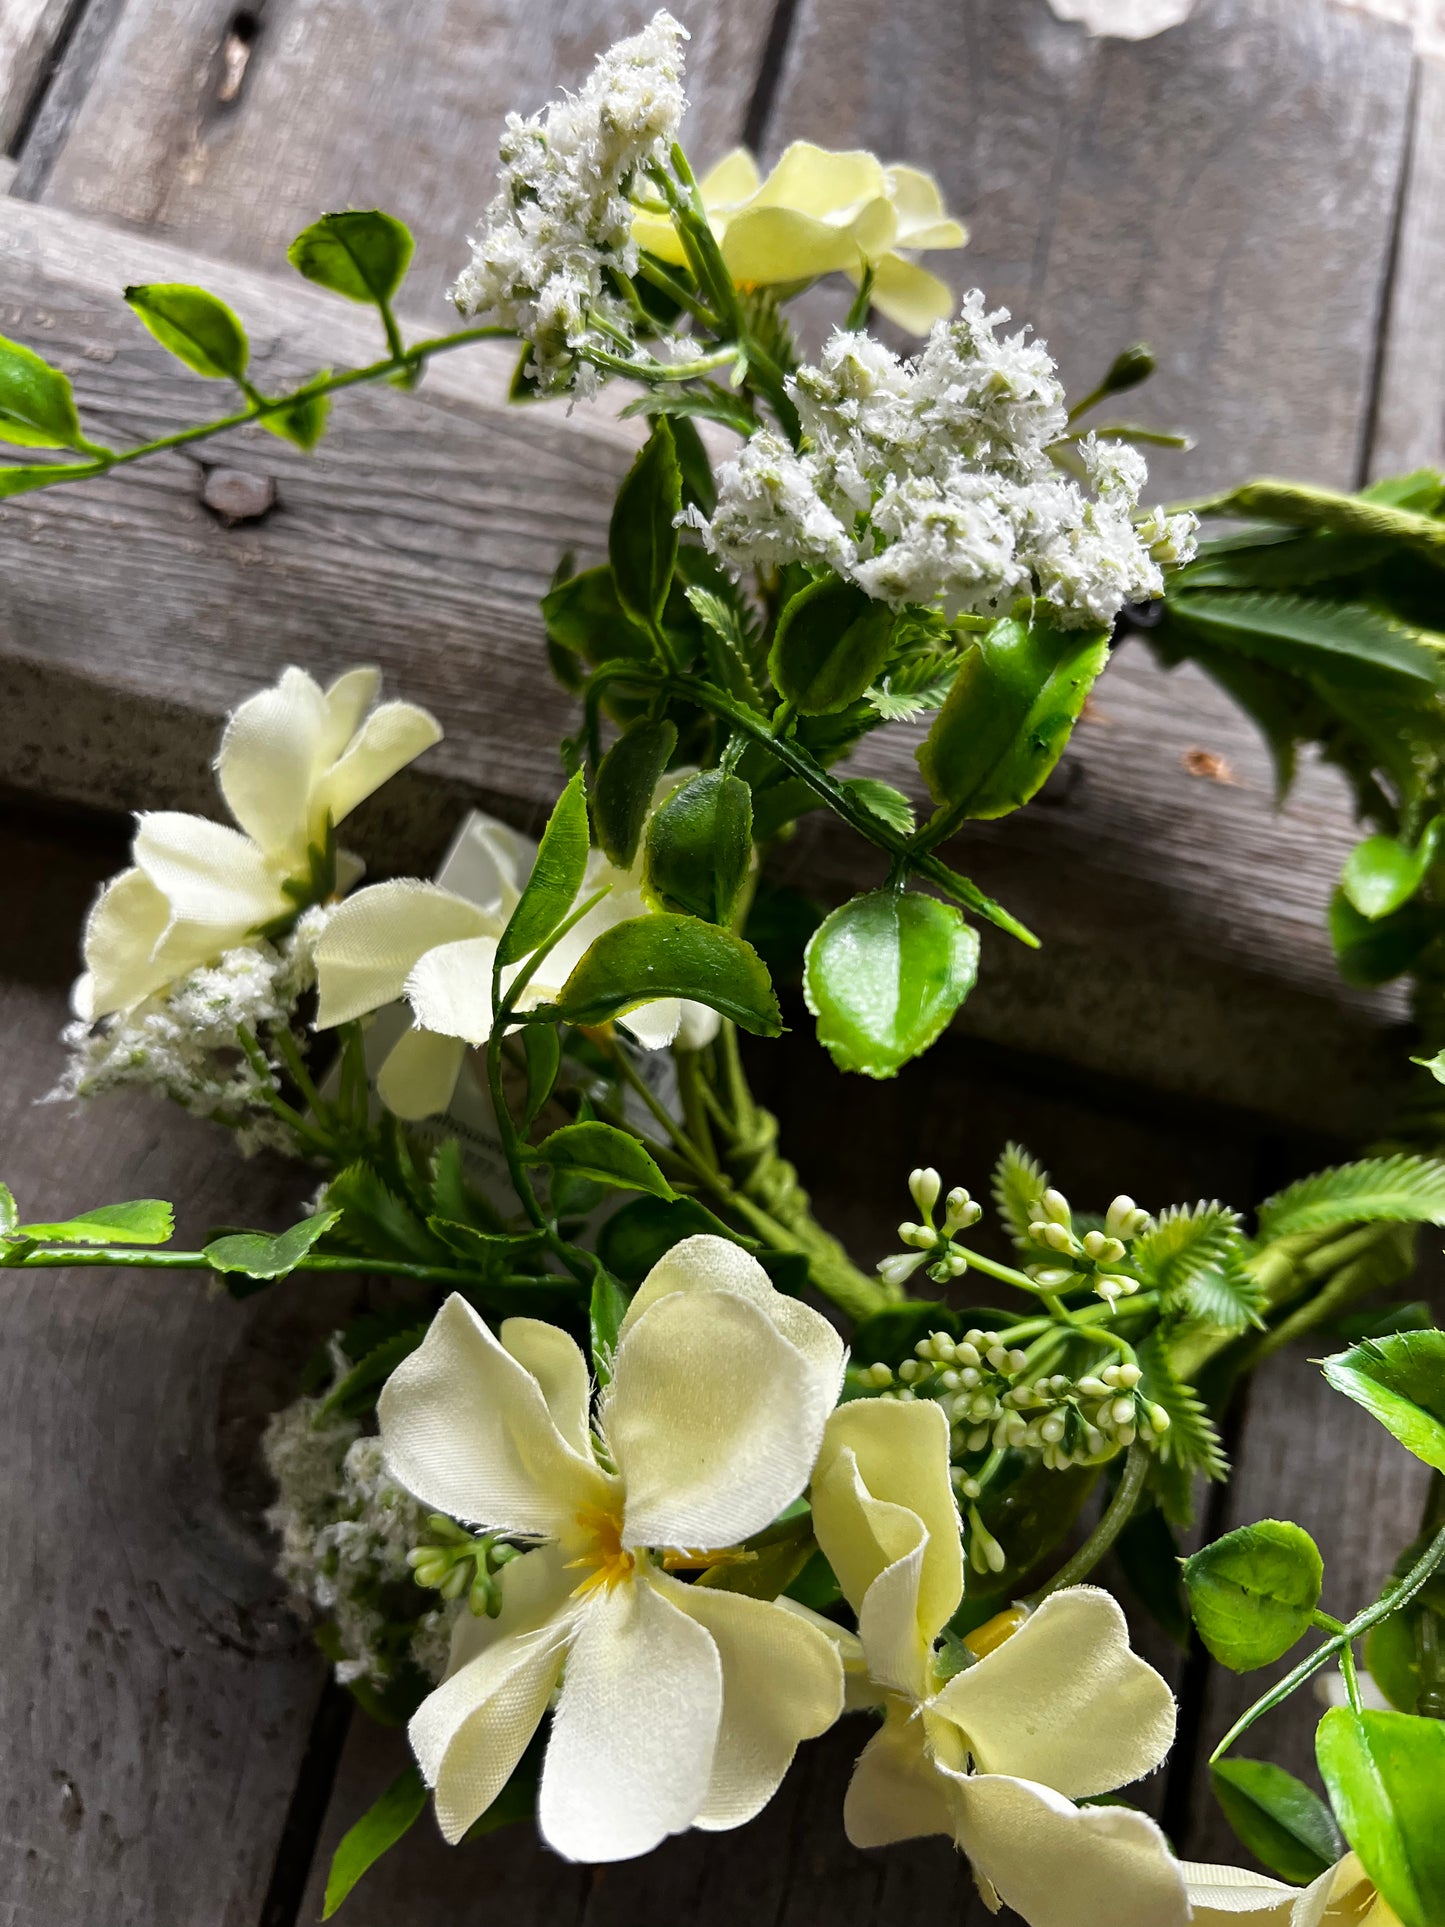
<point x="732" y="637"/>
<point x="1402" y="1189"/>
<point x="1193" y="1256"/>
<point x="889" y="805"/>
<point x="913" y="687"/>
<point x="1192" y="1443"/>
<point x="1019" y="1181"/>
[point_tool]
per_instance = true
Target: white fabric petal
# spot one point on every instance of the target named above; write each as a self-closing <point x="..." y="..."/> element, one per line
<point x="896" y="1792"/>
<point x="390" y="738"/>
<point x="372" y="941"/>
<point x="700" y="1024"/>
<point x="1064" y="1701"/>
<point x="346" y="703"/>
<point x="469" y="1734"/>
<point x="210" y="874"/>
<point x="654" y="1025"/>
<point x="466" y="1428"/>
<point x="419" y="1074"/>
<point x="1058" y="1864"/>
<point x="713" y="1420"/>
<point x="1242" y="1898"/>
<point x="557" y="1364"/>
<point x="635" y="1731"/>
<point x="488" y="863"/>
<point x="782" y="1684"/>
<point x="450" y="988"/>
<point x="268" y="761"/>
<point x="122" y="933"/>
<point x="709" y="1263"/>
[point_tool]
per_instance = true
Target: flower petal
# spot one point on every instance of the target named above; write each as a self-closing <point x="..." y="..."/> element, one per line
<point x="908" y="295"/>
<point x="896" y="1793"/>
<point x="766" y="245"/>
<point x="488" y="864"/>
<point x="122" y="932"/>
<point x="466" y="1428"/>
<point x="392" y="736"/>
<point x="633" y="1738"/>
<point x="900" y="1455"/>
<point x="699" y="1024"/>
<point x="731" y="181"/>
<point x="372" y="941"/>
<point x="654" y="1025"/>
<point x="346" y="702"/>
<point x="209" y="874"/>
<point x="1242" y="1898"/>
<point x="713" y="1419"/>
<point x="420" y="1073"/>
<point x="469" y="1734"/>
<point x="709" y="1263"/>
<point x="782" y="1684"/>
<point x="450" y="988"/>
<point x="557" y="1364"/>
<point x="823" y="181"/>
<point x="1065" y="1701"/>
<point x="1058" y="1864"/>
<point x="269" y="759"/>
<point x="923" y="221"/>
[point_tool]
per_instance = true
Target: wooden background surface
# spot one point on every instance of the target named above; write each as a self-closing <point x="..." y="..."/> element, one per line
<point x="1260" y="194"/>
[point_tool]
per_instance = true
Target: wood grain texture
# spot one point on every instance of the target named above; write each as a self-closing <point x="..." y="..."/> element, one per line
<point x="29" y="30"/>
<point x="156" y="1695"/>
<point x="346" y="103"/>
<point x="1409" y="426"/>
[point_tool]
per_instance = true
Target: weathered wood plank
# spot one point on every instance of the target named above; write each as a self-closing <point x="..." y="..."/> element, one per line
<point x="1409" y="426"/>
<point x="29" y="30"/>
<point x="156" y="1694"/>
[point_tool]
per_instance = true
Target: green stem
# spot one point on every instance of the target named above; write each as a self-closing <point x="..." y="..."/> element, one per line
<point x="300" y="1127"/>
<point x="660" y="371"/>
<point x="129" y="1257"/>
<point x="1116" y="1516"/>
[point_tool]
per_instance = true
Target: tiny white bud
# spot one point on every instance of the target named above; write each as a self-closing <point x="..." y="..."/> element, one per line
<point x="978" y="1438"/>
<point x="899" y="1269"/>
<point x="1119" y="1285"/>
<point x="924" y="1348"/>
<point x="966" y="1353"/>
<point x="1092" y="1387"/>
<point x="974" y="1337"/>
<point x="1059" y="1382"/>
<point x="1094" y="1243"/>
<point x="968" y="1377"/>
<point x="925" y="1185"/>
<point x="949" y="1380"/>
<point x="1121" y="1217"/>
<point x="1110" y="1374"/>
<point x="1017" y="1360"/>
<point x="1051" y="1277"/>
<point x="1052" y="1430"/>
<point x="1127" y="1434"/>
<point x="1122" y="1411"/>
<point x="909" y="1370"/>
<point x="1056" y="1206"/>
<point x="1159" y="1418"/>
<point x="1058" y="1237"/>
<point x="997" y="1355"/>
<point x="1127" y="1375"/>
<point x="957" y="1201"/>
<point x="1094" y="1439"/>
<point x="922" y="1237"/>
<point x="970" y="1488"/>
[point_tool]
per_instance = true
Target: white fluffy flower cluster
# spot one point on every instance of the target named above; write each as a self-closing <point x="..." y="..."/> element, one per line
<point x="181" y="1042"/>
<point x="345" y="1531"/>
<point x="930" y="481"/>
<point x="561" y="219"/>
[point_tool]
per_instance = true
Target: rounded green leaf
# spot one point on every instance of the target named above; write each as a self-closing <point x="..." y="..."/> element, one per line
<point x="831" y="644"/>
<point x="646" y="958"/>
<point x="197" y="327"/>
<point x="1375" y="950"/>
<point x="362" y="254"/>
<point x="1254" y="1591"/>
<point x="642" y="540"/>
<point x="627" y="777"/>
<point x="1381" y="874"/>
<point x="884" y="974"/>
<point x="1400" y="1380"/>
<point x="556" y="876"/>
<point x="37" y="408"/>
<point x="1284" y="1823"/>
<point x="603" y="1154"/>
<point x="260" y="1254"/>
<point x="142" y="1221"/>
<point x="1384" y="1773"/>
<point x="303" y="420"/>
<point x="699" y="846"/>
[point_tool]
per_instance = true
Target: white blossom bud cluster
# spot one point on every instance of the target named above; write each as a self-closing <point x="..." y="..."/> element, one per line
<point x="927" y="1240"/>
<point x="1092" y="1258"/>
<point x="346" y="1531"/>
<point x="930" y="481"/>
<point x="182" y="1042"/>
<point x="560" y="222"/>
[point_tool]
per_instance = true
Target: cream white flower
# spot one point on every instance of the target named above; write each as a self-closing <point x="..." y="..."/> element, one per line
<point x="821" y="212"/>
<point x="294" y="760"/>
<point x="679" y="1705"/>
<point x="436" y="948"/>
<point x="996" y="1755"/>
<point x="1343" y="1896"/>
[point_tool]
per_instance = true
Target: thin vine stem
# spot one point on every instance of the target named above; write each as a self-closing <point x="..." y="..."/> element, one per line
<point x="1116" y="1516"/>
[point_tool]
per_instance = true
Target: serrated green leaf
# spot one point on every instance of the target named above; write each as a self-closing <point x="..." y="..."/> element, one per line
<point x="605" y="1155"/>
<point x="1400" y="1380"/>
<point x="556" y="877"/>
<point x="1253" y="1592"/>
<point x="1283" y="1822"/>
<point x="699" y="847"/>
<point x="646" y="958"/>
<point x="37" y="408"/>
<point x="1349" y="644"/>
<point x="627" y="778"/>
<point x="831" y="642"/>
<point x="362" y="1845"/>
<point x="1192" y="1441"/>
<point x="453" y="1197"/>
<point x="1193" y="1256"/>
<point x="260" y="1255"/>
<point x="375" y="1220"/>
<point x="642" y="539"/>
<point x="1384" y="1772"/>
<point x="143" y="1221"/>
<point x="362" y="254"/>
<point x="884" y="975"/>
<point x="196" y="326"/>
<point x="1403" y="1189"/>
<point x="491" y="1254"/>
<point x="889" y="805"/>
<point x="1019" y="1181"/>
<point x="734" y="643"/>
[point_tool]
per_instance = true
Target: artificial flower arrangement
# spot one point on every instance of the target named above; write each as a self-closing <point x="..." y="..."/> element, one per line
<point x="591" y="1492"/>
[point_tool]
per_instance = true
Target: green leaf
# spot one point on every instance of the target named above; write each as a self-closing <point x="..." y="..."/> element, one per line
<point x="380" y="1828"/>
<point x="542" y="1049"/>
<point x="1404" y="1189"/>
<point x="583" y="614"/>
<point x="889" y="805"/>
<point x="1371" y="951"/>
<point x="453" y="1197"/>
<point x="607" y="1309"/>
<point x="884" y="975"/>
<point x="699" y="846"/>
<point x="1384" y="1772"/>
<point x="636" y="1237"/>
<point x="1381" y="874"/>
<point x="37" y="408"/>
<point x="362" y="254"/>
<point x="645" y="958"/>
<point x="8" y="1212"/>
<point x="1346" y="643"/>
<point x="145" y="1221"/>
<point x="831" y="643"/>
<point x="21" y="480"/>
<point x="733" y="640"/>
<point x="492" y="1255"/>
<point x="1193" y="1256"/>
<point x="260" y="1255"/>
<point x="556" y="876"/>
<point x="375" y="1220"/>
<point x="698" y="484"/>
<point x="357" y="1393"/>
<point x="889" y="1336"/>
<point x="603" y="1154"/>
<point x="627" y="778"/>
<point x="1019" y="1181"/>
<point x="1192" y="1441"/>
<point x="303" y="421"/>
<point x="1284" y="1824"/>
<point x="642" y="540"/>
<point x="1400" y="1380"/>
<point x="197" y="327"/>
<point x="1253" y="1592"/>
<point x="1148" y="1555"/>
<point x="1014" y="701"/>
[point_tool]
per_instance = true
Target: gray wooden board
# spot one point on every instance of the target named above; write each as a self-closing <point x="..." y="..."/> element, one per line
<point x="1409" y="425"/>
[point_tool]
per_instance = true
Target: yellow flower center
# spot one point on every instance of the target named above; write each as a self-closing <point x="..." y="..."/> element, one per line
<point x="606" y="1560"/>
<point x="986" y="1638"/>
